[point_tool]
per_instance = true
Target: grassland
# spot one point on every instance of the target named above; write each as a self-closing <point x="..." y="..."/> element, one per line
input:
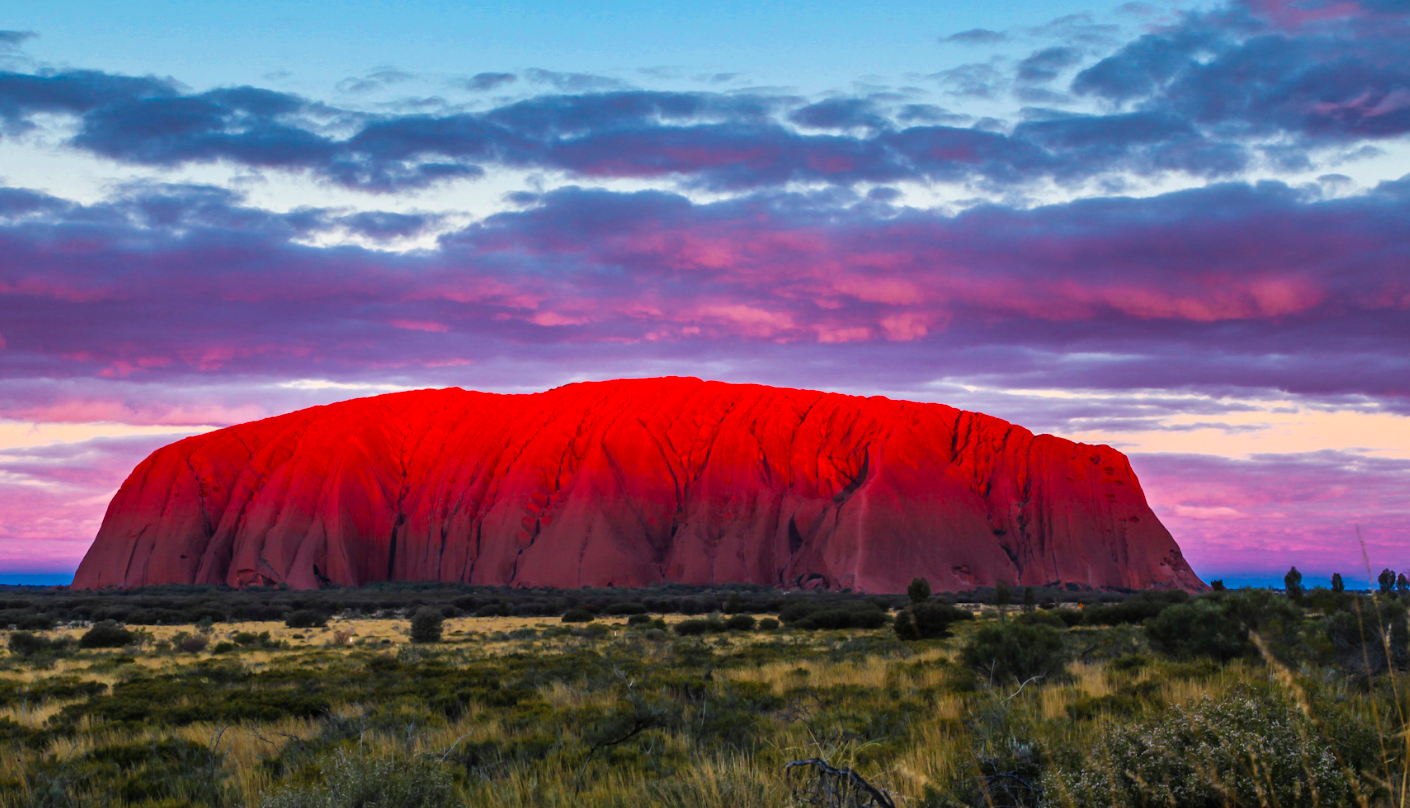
<point x="1266" y="703"/>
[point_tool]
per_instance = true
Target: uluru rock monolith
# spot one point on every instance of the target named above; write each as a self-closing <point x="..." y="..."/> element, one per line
<point x="630" y="483"/>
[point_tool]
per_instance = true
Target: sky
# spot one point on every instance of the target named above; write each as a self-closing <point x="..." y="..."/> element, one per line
<point x="1182" y="230"/>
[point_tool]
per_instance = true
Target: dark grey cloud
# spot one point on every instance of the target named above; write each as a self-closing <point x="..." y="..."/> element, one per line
<point x="573" y="82"/>
<point x="975" y="36"/>
<point x="13" y="39"/>
<point x="374" y="81"/>
<point x="483" y="82"/>
<point x="1046" y="64"/>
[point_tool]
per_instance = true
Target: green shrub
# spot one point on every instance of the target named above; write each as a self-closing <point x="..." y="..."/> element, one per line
<point x="27" y="644"/>
<point x="107" y="634"/>
<point x="578" y="614"/>
<point x="1135" y="610"/>
<point x="190" y="643"/>
<point x="698" y="626"/>
<point x="306" y="618"/>
<point x="1014" y="652"/>
<point x="1043" y="618"/>
<point x="768" y="624"/>
<point x="1247" y="748"/>
<point x="1358" y="638"/>
<point x="497" y="609"/>
<point x="813" y="616"/>
<point x="350" y="781"/>
<point x="740" y="622"/>
<point x="426" y="625"/>
<point x="624" y="608"/>
<point x="639" y="620"/>
<point x="1199" y="629"/>
<point x="169" y="771"/>
<point x="928" y="620"/>
<point x="1218" y="626"/>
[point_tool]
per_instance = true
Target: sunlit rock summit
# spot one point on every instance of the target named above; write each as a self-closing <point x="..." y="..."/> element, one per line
<point x="629" y="483"/>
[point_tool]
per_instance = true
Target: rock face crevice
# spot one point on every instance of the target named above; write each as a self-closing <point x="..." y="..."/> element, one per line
<point x="629" y="483"/>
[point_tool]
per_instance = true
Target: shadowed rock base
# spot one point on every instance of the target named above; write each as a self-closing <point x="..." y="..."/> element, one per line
<point x="633" y="482"/>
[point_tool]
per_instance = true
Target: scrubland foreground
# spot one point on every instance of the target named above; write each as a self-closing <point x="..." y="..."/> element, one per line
<point x="1248" y="698"/>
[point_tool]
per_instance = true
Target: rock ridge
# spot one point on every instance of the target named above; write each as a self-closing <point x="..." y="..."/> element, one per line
<point x="630" y="483"/>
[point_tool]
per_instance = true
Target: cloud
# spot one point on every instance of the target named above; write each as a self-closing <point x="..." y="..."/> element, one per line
<point x="573" y="82"/>
<point x="374" y="81"/>
<point x="1202" y="96"/>
<point x="975" y="36"/>
<point x="1046" y="64"/>
<point x="9" y="40"/>
<point x="52" y="498"/>
<point x="1210" y="95"/>
<point x="484" y="82"/>
<point x="839" y="113"/>
<point x="1226" y="288"/>
<point x="384" y="225"/>
<point x="1322" y="75"/>
<point x="1269" y="512"/>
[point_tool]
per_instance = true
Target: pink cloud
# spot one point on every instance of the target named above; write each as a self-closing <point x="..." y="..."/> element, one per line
<point x="1275" y="511"/>
<point x="420" y="325"/>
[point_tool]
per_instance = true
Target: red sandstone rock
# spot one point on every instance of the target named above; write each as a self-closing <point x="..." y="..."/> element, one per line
<point x="629" y="483"/>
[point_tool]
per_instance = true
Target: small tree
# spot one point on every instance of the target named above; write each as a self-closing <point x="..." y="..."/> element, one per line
<point x="1030" y="599"/>
<point x="426" y="625"/>
<point x="1292" y="582"/>
<point x="1387" y="581"/>
<point x="919" y="590"/>
<point x="1338" y="585"/>
<point x="1003" y="595"/>
<point x="1402" y="583"/>
<point x="1218" y="585"/>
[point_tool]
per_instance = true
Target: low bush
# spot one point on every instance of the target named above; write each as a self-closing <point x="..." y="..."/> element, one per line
<point x="740" y="622"/>
<point x="28" y="644"/>
<point x="1014" y="652"/>
<point x="1247" y="748"/>
<point x="768" y="624"/>
<point x="1368" y="639"/>
<point x="354" y="781"/>
<point x="427" y="625"/>
<point x="697" y="626"/>
<point x="1136" y="610"/>
<point x="928" y="620"/>
<point x="578" y="615"/>
<point x="497" y="609"/>
<point x="624" y="608"/>
<point x="811" y="615"/>
<point x="190" y="643"/>
<point x="306" y="618"/>
<point x="1042" y="618"/>
<point x="107" y="634"/>
<point x="1198" y="629"/>
<point x="639" y="620"/>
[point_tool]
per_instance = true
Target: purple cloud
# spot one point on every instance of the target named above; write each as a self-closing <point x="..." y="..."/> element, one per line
<point x="1270" y="512"/>
<point x="1225" y="288"/>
